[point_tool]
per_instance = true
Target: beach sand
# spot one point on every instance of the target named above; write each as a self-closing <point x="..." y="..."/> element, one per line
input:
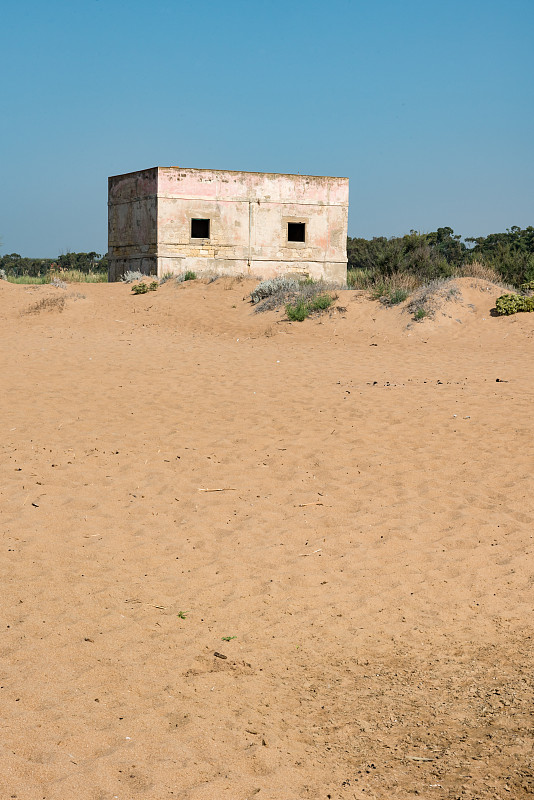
<point x="349" y="498"/>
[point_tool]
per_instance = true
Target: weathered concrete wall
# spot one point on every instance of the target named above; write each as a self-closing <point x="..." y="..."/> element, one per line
<point x="248" y="214"/>
<point x="132" y="223"/>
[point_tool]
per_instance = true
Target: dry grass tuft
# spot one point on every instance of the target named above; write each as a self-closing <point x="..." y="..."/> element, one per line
<point x="476" y="269"/>
<point x="46" y="304"/>
<point x="394" y="286"/>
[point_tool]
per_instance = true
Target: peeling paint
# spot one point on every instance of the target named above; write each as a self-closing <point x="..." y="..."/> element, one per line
<point x="150" y="215"/>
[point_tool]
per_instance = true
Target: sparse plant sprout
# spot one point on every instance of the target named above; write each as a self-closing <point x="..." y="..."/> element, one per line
<point x="393" y="289"/>
<point x="420" y="314"/>
<point x="394" y="297"/>
<point x="228" y="638"/>
<point x="430" y="297"/>
<point x="182" y="614"/>
<point x="189" y="275"/>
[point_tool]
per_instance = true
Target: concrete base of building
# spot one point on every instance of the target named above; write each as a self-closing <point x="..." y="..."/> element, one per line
<point x="334" y="272"/>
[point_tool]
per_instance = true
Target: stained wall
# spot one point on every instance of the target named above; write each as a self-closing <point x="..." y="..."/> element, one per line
<point x="248" y="213"/>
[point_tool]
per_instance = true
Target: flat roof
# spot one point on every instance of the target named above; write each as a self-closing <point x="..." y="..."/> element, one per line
<point x="235" y="172"/>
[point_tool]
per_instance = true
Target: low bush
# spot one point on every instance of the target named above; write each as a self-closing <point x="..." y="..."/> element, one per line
<point x="143" y="288"/>
<point x="186" y="276"/>
<point x="282" y="292"/>
<point x="302" y="308"/>
<point x="297" y="312"/>
<point x="513" y="303"/>
<point x="132" y="275"/>
<point x="420" y="314"/>
<point x="274" y="287"/>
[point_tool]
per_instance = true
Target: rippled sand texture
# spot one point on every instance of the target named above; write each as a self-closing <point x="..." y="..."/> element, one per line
<point x="370" y="550"/>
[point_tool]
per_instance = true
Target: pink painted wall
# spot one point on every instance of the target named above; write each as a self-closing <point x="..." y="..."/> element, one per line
<point x="248" y="212"/>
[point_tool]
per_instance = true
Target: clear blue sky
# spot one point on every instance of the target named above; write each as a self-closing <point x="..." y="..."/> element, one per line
<point x="428" y="107"/>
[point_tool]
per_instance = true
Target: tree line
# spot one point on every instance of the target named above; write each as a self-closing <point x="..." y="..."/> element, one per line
<point x="428" y="255"/>
<point x="440" y="253"/>
<point x="17" y="266"/>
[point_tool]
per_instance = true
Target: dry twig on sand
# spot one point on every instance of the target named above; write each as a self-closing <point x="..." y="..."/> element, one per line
<point x="227" y="489"/>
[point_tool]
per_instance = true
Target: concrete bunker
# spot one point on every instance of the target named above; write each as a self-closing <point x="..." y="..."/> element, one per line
<point x="169" y="220"/>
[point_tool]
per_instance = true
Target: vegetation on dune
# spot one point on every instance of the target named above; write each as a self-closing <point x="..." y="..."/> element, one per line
<point x="300" y="298"/>
<point x="513" y="303"/>
<point x="503" y="257"/>
<point x="72" y="267"/>
<point x="132" y="275"/>
<point x="186" y="276"/>
<point x="392" y="270"/>
<point x="302" y="308"/>
<point x="277" y="288"/>
<point x="143" y="288"/>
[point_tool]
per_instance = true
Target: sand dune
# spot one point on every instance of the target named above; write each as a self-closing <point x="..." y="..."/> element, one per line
<point x="349" y="498"/>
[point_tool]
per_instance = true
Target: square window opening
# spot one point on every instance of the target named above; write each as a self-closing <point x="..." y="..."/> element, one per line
<point x="200" y="228"/>
<point x="296" y="231"/>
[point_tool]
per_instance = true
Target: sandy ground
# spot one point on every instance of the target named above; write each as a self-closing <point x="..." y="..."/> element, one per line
<point x="370" y="555"/>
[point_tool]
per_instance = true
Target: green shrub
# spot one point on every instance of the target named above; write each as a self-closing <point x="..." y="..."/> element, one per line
<point x="140" y="288"/>
<point x="389" y="297"/>
<point x="297" y="312"/>
<point x="513" y="303"/>
<point x="186" y="276"/>
<point x="321" y="302"/>
<point x="420" y="314"/>
<point x="397" y="296"/>
<point x="302" y="308"/>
